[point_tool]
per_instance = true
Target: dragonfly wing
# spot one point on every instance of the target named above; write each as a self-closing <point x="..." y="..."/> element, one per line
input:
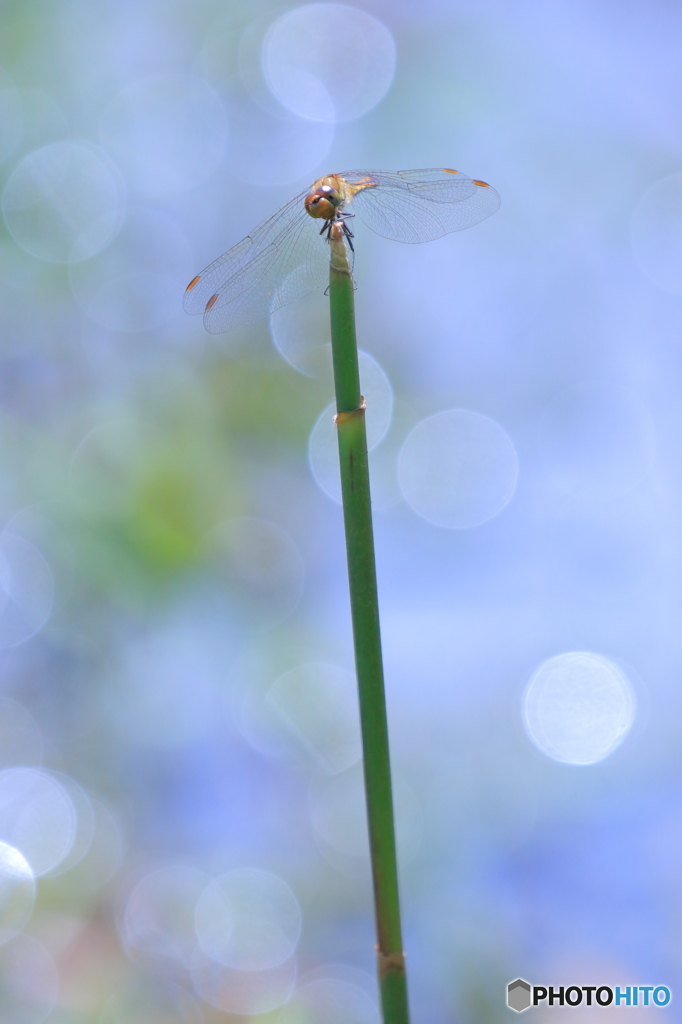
<point x="282" y="260"/>
<point x="418" y="206"/>
<point x="286" y="270"/>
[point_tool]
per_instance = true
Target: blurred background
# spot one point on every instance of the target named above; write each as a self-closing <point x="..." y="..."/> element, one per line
<point x="182" y="834"/>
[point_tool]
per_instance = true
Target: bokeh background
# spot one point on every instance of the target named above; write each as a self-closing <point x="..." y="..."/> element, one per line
<point x="182" y="834"/>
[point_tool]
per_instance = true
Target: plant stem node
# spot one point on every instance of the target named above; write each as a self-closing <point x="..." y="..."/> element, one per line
<point x="390" y="962"/>
<point x="343" y="417"/>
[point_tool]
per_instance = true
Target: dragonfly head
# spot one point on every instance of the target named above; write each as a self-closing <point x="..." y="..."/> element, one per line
<point x="323" y="202"/>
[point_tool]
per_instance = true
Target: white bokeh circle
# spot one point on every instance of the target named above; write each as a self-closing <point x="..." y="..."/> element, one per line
<point x="578" y="707"/>
<point x="158" y="924"/>
<point x="328" y="61"/>
<point x="317" y="701"/>
<point x="258" y="719"/>
<point x="37" y="817"/>
<point x="248" y="919"/>
<point x="64" y="202"/>
<point x="167" y="132"/>
<point x="457" y="468"/>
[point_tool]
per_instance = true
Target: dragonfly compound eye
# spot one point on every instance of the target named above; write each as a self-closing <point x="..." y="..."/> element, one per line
<point x="320" y="206"/>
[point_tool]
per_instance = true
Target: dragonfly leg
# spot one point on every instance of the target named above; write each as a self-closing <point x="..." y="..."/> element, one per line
<point x="346" y="230"/>
<point x="349" y="235"/>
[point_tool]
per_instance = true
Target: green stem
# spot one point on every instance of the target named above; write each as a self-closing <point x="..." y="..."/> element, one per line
<point x="357" y="514"/>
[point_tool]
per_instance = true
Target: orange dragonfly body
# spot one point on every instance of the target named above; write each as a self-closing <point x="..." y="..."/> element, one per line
<point x="286" y="257"/>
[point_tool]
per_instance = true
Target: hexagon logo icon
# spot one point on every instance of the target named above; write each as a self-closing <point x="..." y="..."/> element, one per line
<point x="518" y="995"/>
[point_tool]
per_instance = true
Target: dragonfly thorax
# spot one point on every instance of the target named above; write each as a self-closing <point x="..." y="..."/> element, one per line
<point x="323" y="202"/>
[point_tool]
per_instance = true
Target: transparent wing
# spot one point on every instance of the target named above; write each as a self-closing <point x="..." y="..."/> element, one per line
<point x="282" y="260"/>
<point x="418" y="206"/>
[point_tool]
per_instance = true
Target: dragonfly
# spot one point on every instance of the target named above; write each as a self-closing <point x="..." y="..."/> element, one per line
<point x="287" y="256"/>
